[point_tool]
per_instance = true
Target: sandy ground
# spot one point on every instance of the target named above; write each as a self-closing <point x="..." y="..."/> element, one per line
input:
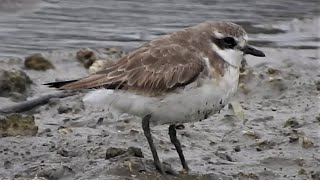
<point x="276" y="135"/>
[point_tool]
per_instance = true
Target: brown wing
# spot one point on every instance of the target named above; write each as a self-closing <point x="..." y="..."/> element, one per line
<point x="159" y="66"/>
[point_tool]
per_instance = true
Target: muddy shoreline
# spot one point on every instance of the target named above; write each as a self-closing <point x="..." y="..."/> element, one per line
<point x="277" y="137"/>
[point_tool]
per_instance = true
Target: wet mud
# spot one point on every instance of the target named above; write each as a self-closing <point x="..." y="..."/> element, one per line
<point x="271" y="129"/>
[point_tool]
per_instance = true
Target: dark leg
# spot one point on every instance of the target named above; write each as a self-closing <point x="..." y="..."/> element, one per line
<point x="176" y="143"/>
<point x="146" y="129"/>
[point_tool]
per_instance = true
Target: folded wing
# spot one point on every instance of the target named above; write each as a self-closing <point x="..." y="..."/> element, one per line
<point x="156" y="67"/>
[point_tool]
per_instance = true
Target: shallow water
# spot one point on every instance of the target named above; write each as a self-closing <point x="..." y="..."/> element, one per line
<point x="29" y="26"/>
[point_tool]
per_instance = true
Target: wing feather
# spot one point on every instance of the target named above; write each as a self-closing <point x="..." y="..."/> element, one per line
<point x="156" y="67"/>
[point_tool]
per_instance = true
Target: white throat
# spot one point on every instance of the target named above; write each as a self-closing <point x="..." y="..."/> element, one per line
<point x="231" y="56"/>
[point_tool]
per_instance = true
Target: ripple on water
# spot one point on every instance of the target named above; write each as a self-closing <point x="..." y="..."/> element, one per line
<point x="29" y="26"/>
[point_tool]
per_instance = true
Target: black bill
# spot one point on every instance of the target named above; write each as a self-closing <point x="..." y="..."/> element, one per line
<point x="251" y="50"/>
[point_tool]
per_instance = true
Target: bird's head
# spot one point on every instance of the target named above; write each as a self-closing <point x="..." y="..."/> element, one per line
<point x="230" y="42"/>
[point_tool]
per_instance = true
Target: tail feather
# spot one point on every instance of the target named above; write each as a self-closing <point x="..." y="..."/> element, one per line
<point x="86" y="83"/>
<point x="59" y="84"/>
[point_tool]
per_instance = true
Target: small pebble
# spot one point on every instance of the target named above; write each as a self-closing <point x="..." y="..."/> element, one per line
<point x="292" y="122"/>
<point x="99" y="122"/>
<point x="307" y="142"/>
<point x="179" y="126"/>
<point x="37" y="62"/>
<point x="251" y="133"/>
<point x="237" y="148"/>
<point x="134" y="151"/>
<point x="86" y="56"/>
<point x="317" y="83"/>
<point x="114" y="152"/>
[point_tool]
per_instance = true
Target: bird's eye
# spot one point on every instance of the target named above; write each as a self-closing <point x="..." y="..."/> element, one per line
<point x="229" y="41"/>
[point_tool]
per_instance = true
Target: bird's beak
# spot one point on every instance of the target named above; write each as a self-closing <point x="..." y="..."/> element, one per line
<point x="251" y="50"/>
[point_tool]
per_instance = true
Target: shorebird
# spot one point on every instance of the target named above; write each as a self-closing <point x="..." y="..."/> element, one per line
<point x="180" y="77"/>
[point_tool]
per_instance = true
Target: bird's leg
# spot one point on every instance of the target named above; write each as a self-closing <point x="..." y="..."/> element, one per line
<point x="146" y="129"/>
<point x="176" y="143"/>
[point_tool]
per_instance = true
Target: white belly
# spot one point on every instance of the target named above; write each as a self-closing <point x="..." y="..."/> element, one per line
<point x="185" y="105"/>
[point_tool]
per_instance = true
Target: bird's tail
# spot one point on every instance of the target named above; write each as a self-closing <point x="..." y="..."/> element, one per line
<point x="59" y="84"/>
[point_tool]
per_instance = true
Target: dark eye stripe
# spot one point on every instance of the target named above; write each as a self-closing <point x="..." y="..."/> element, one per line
<point x="224" y="43"/>
<point x="229" y="41"/>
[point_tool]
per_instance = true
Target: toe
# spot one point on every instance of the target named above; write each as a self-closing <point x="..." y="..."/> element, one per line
<point x="168" y="169"/>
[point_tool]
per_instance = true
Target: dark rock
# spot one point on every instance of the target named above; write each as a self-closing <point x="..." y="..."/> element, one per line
<point x="133" y="132"/>
<point x="237" y="148"/>
<point x="318" y="118"/>
<point x="37" y="62"/>
<point x="134" y="151"/>
<point x="292" y="122"/>
<point x="7" y="164"/>
<point x="45" y="131"/>
<point x="180" y="126"/>
<point x="66" y="153"/>
<point x="17" y="124"/>
<point x="63" y="152"/>
<point x="315" y="175"/>
<point x="62" y="109"/>
<point x="212" y="143"/>
<point x="114" y="152"/>
<point x="265" y="145"/>
<point x="100" y="121"/>
<point x="130" y="152"/>
<point x="14" y="81"/>
<point x="317" y="83"/>
<point x="86" y="56"/>
<point x="293" y="138"/>
<point x="223" y="156"/>
<point x="302" y="172"/>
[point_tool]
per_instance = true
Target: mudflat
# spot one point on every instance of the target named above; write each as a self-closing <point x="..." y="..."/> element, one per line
<point x="271" y="130"/>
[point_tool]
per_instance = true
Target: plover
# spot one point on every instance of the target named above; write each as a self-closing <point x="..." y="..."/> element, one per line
<point x="180" y="77"/>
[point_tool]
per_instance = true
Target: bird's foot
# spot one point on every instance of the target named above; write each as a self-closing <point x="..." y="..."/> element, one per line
<point x="184" y="171"/>
<point x="166" y="169"/>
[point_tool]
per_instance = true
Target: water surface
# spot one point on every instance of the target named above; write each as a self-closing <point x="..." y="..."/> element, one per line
<point x="29" y="26"/>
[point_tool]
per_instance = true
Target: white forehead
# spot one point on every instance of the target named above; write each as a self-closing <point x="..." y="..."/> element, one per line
<point x="220" y="35"/>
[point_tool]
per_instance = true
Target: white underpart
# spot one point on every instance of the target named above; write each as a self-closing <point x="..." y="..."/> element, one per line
<point x="188" y="104"/>
<point x="233" y="57"/>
